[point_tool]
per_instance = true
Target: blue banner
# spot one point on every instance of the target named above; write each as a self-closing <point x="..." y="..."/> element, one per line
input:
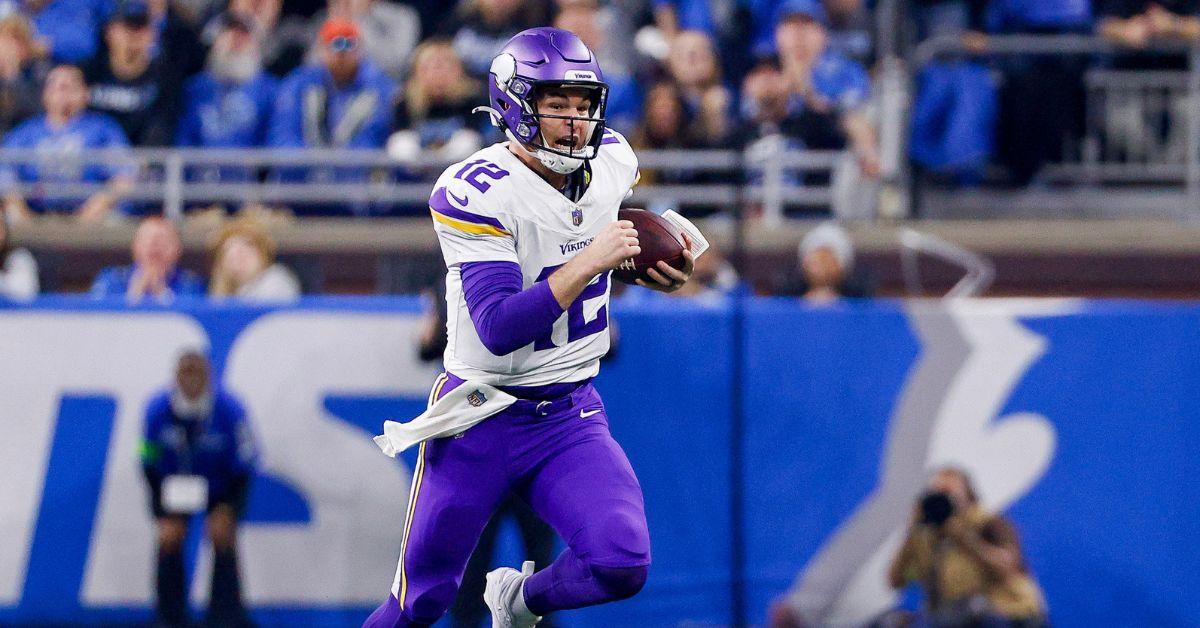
<point x="1073" y="417"/>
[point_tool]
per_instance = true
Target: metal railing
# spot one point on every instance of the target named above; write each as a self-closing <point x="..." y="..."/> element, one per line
<point x="186" y="177"/>
<point x="1125" y="139"/>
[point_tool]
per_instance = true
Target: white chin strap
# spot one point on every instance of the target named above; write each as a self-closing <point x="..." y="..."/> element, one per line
<point x="560" y="164"/>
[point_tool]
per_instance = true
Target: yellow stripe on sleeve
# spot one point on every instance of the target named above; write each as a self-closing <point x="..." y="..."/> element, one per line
<point x="468" y="227"/>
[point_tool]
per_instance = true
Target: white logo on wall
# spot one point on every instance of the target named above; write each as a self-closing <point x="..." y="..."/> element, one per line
<point x="973" y="354"/>
<point x="282" y="366"/>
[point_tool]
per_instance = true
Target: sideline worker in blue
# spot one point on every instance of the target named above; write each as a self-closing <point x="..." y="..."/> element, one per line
<point x="198" y="455"/>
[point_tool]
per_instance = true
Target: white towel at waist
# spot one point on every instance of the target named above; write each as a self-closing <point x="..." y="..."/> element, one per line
<point x="467" y="405"/>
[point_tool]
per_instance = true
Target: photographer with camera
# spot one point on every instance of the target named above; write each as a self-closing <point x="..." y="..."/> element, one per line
<point x="967" y="560"/>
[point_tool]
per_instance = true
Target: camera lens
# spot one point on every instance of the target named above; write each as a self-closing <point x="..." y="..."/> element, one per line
<point x="936" y="508"/>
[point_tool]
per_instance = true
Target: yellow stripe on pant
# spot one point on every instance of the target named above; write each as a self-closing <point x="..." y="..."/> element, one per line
<point x="416" y="492"/>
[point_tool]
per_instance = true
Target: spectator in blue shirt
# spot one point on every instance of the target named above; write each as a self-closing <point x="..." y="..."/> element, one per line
<point x="229" y="104"/>
<point x="69" y="29"/>
<point x="155" y="273"/>
<point x="828" y="91"/>
<point x="59" y="135"/>
<point x="954" y="109"/>
<point x="342" y="102"/>
<point x="198" y="455"/>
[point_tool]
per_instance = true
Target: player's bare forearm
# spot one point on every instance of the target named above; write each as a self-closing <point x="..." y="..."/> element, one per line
<point x="615" y="244"/>
<point x="568" y="282"/>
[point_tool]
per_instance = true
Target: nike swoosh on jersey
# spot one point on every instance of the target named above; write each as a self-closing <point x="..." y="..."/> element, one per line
<point x="460" y="201"/>
<point x="583" y="414"/>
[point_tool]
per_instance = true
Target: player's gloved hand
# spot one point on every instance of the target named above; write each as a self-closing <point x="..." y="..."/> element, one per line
<point x="616" y="243"/>
<point x="667" y="278"/>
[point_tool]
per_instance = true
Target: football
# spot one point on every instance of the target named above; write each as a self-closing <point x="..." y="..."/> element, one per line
<point x="659" y="239"/>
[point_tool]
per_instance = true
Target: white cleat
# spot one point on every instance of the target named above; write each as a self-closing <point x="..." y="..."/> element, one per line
<point x="504" y="597"/>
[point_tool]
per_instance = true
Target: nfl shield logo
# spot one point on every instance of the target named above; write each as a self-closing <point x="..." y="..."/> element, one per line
<point x="476" y="399"/>
<point x="577" y="216"/>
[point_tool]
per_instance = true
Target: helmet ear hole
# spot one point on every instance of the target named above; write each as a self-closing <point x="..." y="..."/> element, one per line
<point x="503" y="105"/>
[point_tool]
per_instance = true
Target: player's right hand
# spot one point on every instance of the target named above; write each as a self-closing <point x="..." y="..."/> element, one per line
<point x="614" y="244"/>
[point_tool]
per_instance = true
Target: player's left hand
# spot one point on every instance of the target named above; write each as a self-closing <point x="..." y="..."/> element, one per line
<point x="668" y="279"/>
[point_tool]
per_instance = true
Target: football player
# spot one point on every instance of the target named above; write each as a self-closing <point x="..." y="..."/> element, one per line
<point x="529" y="232"/>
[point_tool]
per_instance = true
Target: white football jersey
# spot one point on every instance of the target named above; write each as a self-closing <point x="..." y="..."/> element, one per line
<point x="492" y="207"/>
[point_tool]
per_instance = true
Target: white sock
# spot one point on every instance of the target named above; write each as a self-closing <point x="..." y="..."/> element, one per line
<point x="519" y="609"/>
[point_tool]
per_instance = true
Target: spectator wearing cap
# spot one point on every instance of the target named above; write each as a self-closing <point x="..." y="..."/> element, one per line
<point x="481" y="27"/>
<point x="390" y="31"/>
<point x="21" y="71"/>
<point x="433" y="116"/>
<point x="155" y="273"/>
<point x="138" y="89"/>
<point x="827" y="266"/>
<point x="60" y="134"/>
<point x="829" y="92"/>
<point x="229" y="104"/>
<point x="342" y="101"/>
<point x="67" y="28"/>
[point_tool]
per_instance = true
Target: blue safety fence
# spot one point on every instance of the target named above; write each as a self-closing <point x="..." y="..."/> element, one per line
<point x="1076" y="418"/>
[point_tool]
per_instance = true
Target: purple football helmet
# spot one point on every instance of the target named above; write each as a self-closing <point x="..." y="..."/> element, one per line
<point x="530" y="62"/>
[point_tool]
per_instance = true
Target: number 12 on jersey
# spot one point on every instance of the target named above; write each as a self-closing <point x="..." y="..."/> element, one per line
<point x="578" y="326"/>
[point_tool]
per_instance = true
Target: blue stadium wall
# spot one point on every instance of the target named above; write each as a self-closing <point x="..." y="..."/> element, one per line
<point x="1077" y="419"/>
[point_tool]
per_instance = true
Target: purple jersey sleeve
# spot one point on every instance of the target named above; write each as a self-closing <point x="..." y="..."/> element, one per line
<point x="505" y="316"/>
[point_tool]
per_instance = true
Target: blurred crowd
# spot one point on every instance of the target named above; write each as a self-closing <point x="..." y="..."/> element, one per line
<point x="404" y="76"/>
<point x="756" y="75"/>
<point x="371" y="74"/>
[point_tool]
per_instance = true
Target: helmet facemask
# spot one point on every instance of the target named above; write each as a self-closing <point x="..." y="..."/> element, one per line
<point x="560" y="158"/>
<point x="577" y="126"/>
<point x="515" y="110"/>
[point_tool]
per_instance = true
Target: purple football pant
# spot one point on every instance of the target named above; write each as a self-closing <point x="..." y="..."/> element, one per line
<point x="560" y="458"/>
